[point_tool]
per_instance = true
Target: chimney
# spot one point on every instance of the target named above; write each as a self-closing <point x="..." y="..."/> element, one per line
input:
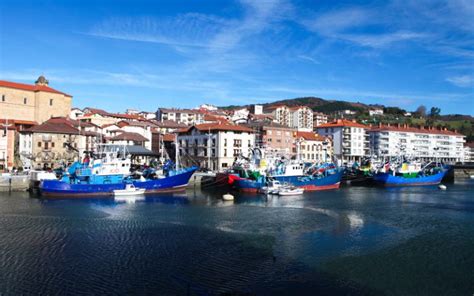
<point x="380" y="124"/>
<point x="353" y="120"/>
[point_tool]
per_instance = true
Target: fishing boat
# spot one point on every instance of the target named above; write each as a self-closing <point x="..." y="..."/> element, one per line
<point x="409" y="174"/>
<point x="110" y="171"/>
<point x="316" y="177"/>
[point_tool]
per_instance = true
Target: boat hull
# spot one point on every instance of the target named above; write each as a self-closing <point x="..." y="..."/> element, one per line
<point x="389" y="180"/>
<point x="56" y="188"/>
<point x="328" y="182"/>
<point x="247" y="185"/>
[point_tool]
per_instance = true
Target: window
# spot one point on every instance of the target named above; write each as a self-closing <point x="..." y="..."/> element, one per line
<point x="39" y="144"/>
<point x="225" y="152"/>
<point x="52" y="144"/>
<point x="225" y="142"/>
<point x="25" y="100"/>
<point x="51" y="102"/>
<point x="3" y="98"/>
<point x="224" y="164"/>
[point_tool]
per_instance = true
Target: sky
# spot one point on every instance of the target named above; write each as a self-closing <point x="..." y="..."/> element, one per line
<point x="144" y="55"/>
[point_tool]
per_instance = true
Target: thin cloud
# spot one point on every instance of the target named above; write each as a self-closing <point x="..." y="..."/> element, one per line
<point x="461" y="81"/>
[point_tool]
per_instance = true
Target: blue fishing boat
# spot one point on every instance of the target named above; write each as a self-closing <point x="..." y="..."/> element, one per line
<point x="409" y="174"/>
<point x="170" y="183"/>
<point x="111" y="171"/>
<point x="317" y="177"/>
<point x="330" y="180"/>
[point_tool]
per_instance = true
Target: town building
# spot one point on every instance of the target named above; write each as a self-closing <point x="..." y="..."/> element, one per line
<point x="273" y="137"/>
<point x="186" y="116"/>
<point x="256" y="109"/>
<point x="312" y="147"/>
<point x="469" y="152"/>
<point x="214" y="146"/>
<point x="347" y="113"/>
<point x="319" y="118"/>
<point x="54" y="142"/>
<point x="239" y="116"/>
<point x="425" y="143"/>
<point x="281" y="114"/>
<point x="7" y="146"/>
<point x="376" y="111"/>
<point x="32" y="102"/>
<point x="76" y="113"/>
<point x="301" y="118"/>
<point x="350" y="139"/>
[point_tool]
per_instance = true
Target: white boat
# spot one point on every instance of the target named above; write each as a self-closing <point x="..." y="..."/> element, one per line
<point x="228" y="197"/>
<point x="290" y="191"/>
<point x="471" y="176"/>
<point x="272" y="187"/>
<point x="130" y="189"/>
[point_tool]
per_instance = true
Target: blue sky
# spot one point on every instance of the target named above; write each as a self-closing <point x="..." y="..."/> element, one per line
<point x="149" y="54"/>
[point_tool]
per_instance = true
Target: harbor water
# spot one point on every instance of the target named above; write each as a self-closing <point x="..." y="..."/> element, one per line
<point x="355" y="240"/>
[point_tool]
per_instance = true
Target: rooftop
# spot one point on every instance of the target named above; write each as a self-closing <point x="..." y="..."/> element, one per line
<point x="126" y="136"/>
<point x="310" y="136"/>
<point x="342" y="123"/>
<point x="31" y="87"/>
<point x="413" y="129"/>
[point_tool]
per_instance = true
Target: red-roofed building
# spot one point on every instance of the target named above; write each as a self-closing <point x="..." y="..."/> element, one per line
<point x="214" y="146"/>
<point x="53" y="143"/>
<point x="32" y="102"/>
<point x="312" y="147"/>
<point x="350" y="139"/>
<point x="426" y="143"/>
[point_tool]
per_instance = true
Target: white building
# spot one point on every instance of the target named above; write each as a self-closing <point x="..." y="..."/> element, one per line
<point x="214" y="146"/>
<point x="187" y="116"/>
<point x="141" y="128"/>
<point x="239" y="116"/>
<point x="281" y="114"/>
<point x="147" y="115"/>
<point x="301" y="118"/>
<point x="208" y="107"/>
<point x="256" y="109"/>
<point x="469" y="152"/>
<point x="312" y="147"/>
<point x="76" y="113"/>
<point x="319" y="118"/>
<point x="376" y="111"/>
<point x="425" y="143"/>
<point x="350" y="139"/>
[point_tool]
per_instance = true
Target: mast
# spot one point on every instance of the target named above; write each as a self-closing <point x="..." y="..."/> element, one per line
<point x="176" y="153"/>
<point x="209" y="149"/>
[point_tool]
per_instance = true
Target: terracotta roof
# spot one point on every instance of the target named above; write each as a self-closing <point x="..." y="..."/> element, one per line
<point x="209" y="117"/>
<point x="342" y="123"/>
<point x="169" y="137"/>
<point x="129" y="136"/>
<point x="173" y="110"/>
<point x="218" y="127"/>
<point x="411" y="129"/>
<point x="169" y="124"/>
<point x="19" y="122"/>
<point x="96" y="111"/>
<point x="58" y="125"/>
<point x="310" y="136"/>
<point x="31" y="87"/>
<point x="107" y="125"/>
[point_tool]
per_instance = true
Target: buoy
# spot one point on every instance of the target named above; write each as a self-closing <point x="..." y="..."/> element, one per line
<point x="442" y="187"/>
<point x="228" y="196"/>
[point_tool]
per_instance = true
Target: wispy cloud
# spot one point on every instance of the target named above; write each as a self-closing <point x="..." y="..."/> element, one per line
<point x="307" y="58"/>
<point x="462" y="81"/>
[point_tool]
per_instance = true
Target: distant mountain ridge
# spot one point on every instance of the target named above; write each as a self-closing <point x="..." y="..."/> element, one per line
<point x="316" y="104"/>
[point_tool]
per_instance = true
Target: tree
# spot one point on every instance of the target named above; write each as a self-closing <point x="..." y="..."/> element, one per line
<point x="421" y="111"/>
<point x="434" y="112"/>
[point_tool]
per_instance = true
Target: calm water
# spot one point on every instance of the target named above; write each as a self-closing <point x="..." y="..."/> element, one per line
<point x="350" y="241"/>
